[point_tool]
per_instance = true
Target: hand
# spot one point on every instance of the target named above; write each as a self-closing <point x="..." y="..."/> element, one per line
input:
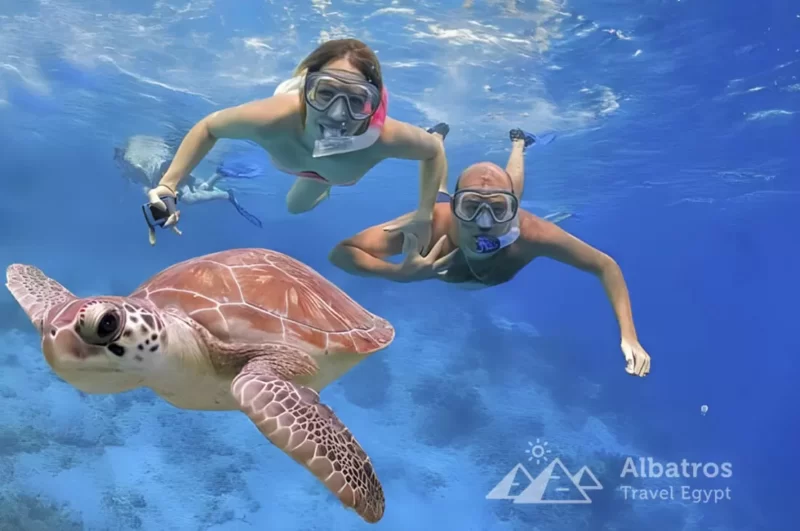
<point x="154" y="197"/>
<point x="636" y="357"/>
<point x="418" y="224"/>
<point x="418" y="267"/>
<point x="204" y="187"/>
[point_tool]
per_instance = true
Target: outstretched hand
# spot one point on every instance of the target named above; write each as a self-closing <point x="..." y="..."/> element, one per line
<point x="154" y="197"/>
<point x="636" y="358"/>
<point x="415" y="266"/>
<point x="417" y="224"/>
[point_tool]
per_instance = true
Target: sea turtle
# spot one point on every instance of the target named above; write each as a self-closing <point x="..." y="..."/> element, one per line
<point x="245" y="329"/>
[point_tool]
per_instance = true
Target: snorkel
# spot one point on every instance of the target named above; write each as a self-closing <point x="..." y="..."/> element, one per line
<point x="491" y="243"/>
<point x="488" y="243"/>
<point x="334" y="141"/>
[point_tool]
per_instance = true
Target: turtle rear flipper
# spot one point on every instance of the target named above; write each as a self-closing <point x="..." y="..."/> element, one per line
<point x="35" y="291"/>
<point x="293" y="419"/>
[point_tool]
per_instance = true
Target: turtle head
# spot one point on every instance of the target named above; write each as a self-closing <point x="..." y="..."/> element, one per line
<point x="99" y="345"/>
<point x="104" y="344"/>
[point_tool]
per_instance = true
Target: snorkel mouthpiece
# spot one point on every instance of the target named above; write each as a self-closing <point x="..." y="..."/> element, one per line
<point x="334" y="131"/>
<point x="487" y="244"/>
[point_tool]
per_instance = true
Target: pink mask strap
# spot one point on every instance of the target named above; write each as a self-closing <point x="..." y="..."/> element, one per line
<point x="380" y="115"/>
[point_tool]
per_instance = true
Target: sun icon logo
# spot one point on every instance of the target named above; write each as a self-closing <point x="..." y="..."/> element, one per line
<point x="538" y="451"/>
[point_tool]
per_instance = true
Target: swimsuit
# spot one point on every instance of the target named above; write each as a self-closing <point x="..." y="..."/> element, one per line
<point x="314" y="176"/>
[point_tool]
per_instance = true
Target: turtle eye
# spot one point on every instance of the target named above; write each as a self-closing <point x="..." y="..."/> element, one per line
<point x="99" y="323"/>
<point x="108" y="325"/>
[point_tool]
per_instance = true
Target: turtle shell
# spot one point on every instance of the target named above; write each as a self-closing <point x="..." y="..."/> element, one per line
<point x="258" y="295"/>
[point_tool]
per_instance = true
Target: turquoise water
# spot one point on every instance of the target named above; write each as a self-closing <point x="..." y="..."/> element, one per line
<point x="677" y="130"/>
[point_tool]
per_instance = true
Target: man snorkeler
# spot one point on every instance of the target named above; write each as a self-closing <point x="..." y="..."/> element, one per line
<point x="144" y="159"/>
<point x="483" y="238"/>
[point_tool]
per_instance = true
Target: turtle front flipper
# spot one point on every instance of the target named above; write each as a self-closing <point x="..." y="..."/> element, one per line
<point x="293" y="419"/>
<point x="35" y="291"/>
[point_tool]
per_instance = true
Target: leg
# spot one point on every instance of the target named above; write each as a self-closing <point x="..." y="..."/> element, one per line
<point x="520" y="140"/>
<point x="443" y="183"/>
<point x="213" y="180"/>
<point x="516" y="166"/>
<point x="306" y="194"/>
<point x="440" y="130"/>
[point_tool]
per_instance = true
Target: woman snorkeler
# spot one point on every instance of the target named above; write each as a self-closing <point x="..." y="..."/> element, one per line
<point x="327" y="125"/>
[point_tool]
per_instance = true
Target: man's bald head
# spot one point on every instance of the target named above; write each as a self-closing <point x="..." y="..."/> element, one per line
<point x="486" y="175"/>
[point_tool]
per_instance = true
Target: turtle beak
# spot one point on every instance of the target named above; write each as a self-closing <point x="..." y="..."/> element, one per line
<point x="65" y="345"/>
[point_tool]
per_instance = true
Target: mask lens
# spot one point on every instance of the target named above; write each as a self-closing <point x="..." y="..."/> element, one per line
<point x="501" y="208"/>
<point x="469" y="207"/>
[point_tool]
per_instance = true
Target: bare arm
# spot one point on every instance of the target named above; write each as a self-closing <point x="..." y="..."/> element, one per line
<point x="364" y="253"/>
<point x="405" y="141"/>
<point x="550" y="240"/>
<point x="250" y="120"/>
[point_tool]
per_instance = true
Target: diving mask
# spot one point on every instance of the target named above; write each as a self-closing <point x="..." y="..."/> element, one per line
<point x="484" y="208"/>
<point x="326" y="87"/>
<point x="501" y="205"/>
<point x="345" y="97"/>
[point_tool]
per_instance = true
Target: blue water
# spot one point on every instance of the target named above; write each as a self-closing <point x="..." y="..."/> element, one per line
<point x="677" y="125"/>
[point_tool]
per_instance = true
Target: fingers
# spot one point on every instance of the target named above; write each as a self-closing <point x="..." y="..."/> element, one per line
<point x="639" y="365"/>
<point x="172" y="219"/>
<point x="436" y="249"/>
<point x="445" y="262"/>
<point x="644" y="370"/>
<point x="641" y="361"/>
<point x="630" y="363"/>
<point x="426" y="248"/>
<point x="399" y="223"/>
<point x="637" y="360"/>
<point x="152" y="196"/>
<point x="409" y="244"/>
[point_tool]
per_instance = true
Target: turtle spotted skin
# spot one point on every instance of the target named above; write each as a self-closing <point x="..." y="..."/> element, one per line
<point x="251" y="330"/>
